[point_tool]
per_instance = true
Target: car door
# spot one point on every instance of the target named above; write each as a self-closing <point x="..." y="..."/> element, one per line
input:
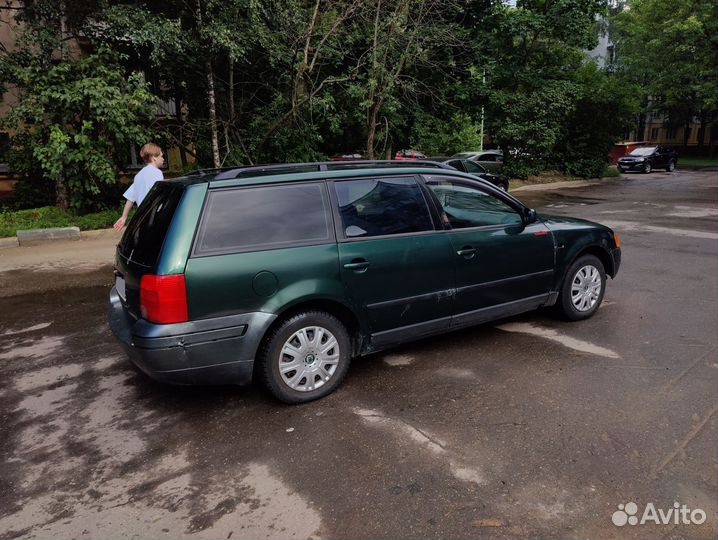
<point x="503" y="264"/>
<point x="396" y="265"/>
<point x="491" y="162"/>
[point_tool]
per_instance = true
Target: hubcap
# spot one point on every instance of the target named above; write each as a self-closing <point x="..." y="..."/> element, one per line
<point x="309" y="358"/>
<point x="586" y="288"/>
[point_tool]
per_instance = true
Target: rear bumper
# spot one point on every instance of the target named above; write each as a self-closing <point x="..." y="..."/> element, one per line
<point x="208" y="351"/>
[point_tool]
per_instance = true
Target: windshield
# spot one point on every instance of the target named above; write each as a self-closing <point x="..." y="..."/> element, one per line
<point x="645" y="151"/>
<point x="464" y="155"/>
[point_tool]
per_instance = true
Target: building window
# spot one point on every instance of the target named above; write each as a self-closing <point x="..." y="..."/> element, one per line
<point x="688" y="133"/>
<point x="672" y="132"/>
<point x="654" y="133"/>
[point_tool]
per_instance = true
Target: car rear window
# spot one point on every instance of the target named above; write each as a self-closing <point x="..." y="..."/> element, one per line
<point x="145" y="234"/>
<point x="266" y="217"/>
<point x="382" y="206"/>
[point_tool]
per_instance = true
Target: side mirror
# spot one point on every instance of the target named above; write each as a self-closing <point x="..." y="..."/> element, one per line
<point x="530" y="216"/>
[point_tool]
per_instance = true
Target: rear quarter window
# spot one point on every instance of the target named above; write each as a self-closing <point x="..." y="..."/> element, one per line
<point x="146" y="232"/>
<point x="264" y="217"/>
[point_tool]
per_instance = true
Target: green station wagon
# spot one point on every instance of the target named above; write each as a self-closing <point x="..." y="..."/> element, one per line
<point x="285" y="273"/>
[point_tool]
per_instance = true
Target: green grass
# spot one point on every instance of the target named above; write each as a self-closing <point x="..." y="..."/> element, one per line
<point x="697" y="162"/>
<point x="50" y="216"/>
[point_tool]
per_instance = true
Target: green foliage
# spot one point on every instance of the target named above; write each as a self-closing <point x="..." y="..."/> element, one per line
<point x="670" y="51"/>
<point x="445" y="137"/>
<point x="297" y="81"/>
<point x="76" y="120"/>
<point x="605" y="106"/>
<point x="51" y="216"/>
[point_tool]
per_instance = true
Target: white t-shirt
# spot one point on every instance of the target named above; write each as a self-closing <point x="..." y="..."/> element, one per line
<point x="142" y="183"/>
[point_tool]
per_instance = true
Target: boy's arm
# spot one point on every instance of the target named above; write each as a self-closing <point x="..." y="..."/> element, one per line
<point x="123" y="219"/>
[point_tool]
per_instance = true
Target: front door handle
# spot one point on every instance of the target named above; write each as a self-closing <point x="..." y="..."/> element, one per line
<point x="467" y="252"/>
<point x="358" y="265"/>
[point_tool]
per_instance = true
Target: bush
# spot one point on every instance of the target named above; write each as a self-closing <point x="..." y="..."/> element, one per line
<point x="586" y="167"/>
<point x="51" y="216"/>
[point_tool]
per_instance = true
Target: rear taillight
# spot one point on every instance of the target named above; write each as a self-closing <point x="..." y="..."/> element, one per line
<point x="163" y="299"/>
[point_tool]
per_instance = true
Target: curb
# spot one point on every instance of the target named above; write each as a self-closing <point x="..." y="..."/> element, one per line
<point x="10" y="242"/>
<point x="45" y="236"/>
<point x="558" y="185"/>
<point x="34" y="237"/>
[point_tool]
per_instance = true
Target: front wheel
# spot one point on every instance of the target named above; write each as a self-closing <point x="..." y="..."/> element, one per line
<point x="305" y="357"/>
<point x="647" y="168"/>
<point x="671" y="166"/>
<point x="583" y="288"/>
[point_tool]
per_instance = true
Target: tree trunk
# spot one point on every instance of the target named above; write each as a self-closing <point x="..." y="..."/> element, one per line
<point x="212" y="114"/>
<point x="232" y="112"/>
<point x="62" y="199"/>
<point x="641" y="127"/>
<point x="371" y="133"/>
<point x="702" y="130"/>
<point x="686" y="129"/>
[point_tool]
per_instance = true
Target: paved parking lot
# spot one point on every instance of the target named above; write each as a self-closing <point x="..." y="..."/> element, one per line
<point x="529" y="427"/>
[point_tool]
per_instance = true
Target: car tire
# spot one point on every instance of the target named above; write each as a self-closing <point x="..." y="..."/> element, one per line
<point x="671" y="166"/>
<point x="300" y="341"/>
<point x="647" y="168"/>
<point x="583" y="288"/>
<point x="504" y="186"/>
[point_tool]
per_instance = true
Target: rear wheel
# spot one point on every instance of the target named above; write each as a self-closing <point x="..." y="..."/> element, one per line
<point x="583" y="288"/>
<point x="305" y="357"/>
<point x="671" y="166"/>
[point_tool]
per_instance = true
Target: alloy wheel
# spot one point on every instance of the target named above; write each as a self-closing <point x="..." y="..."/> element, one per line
<point x="309" y="358"/>
<point x="586" y="288"/>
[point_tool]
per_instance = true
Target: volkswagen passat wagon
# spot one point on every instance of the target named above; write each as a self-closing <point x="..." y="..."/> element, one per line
<point x="285" y="273"/>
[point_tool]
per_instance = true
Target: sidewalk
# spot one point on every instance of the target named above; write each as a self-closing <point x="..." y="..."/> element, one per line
<point x="57" y="265"/>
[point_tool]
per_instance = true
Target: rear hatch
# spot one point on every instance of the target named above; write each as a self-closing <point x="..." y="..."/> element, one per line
<point x="140" y="249"/>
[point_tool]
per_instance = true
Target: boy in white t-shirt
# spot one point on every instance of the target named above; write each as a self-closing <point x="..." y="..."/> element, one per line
<point x="151" y="154"/>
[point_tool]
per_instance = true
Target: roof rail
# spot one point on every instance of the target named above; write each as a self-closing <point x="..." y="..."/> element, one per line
<point x="288" y="168"/>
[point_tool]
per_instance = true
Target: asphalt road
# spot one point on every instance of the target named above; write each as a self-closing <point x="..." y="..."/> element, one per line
<point x="529" y="427"/>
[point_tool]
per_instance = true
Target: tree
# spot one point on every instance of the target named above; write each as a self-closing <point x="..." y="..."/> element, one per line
<point x="670" y="49"/>
<point x="76" y="116"/>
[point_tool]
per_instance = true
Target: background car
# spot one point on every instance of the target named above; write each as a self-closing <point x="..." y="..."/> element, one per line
<point x="347" y="157"/>
<point x="491" y="160"/>
<point x="647" y="158"/>
<point x="409" y="155"/>
<point x="471" y="167"/>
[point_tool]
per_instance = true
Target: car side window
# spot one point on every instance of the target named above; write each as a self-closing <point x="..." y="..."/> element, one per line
<point x="458" y="165"/>
<point x="381" y="207"/>
<point x="472" y="167"/>
<point x="467" y="206"/>
<point x="264" y="217"/>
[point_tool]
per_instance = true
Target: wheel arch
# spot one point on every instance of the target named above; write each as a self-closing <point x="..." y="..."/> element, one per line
<point x="600" y="253"/>
<point x="342" y="312"/>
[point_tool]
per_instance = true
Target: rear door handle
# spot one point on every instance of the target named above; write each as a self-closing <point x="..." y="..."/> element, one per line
<point x="358" y="265"/>
<point x="467" y="252"/>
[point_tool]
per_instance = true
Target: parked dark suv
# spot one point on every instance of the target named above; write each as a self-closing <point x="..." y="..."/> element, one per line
<point x="286" y="273"/>
<point x="646" y="158"/>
